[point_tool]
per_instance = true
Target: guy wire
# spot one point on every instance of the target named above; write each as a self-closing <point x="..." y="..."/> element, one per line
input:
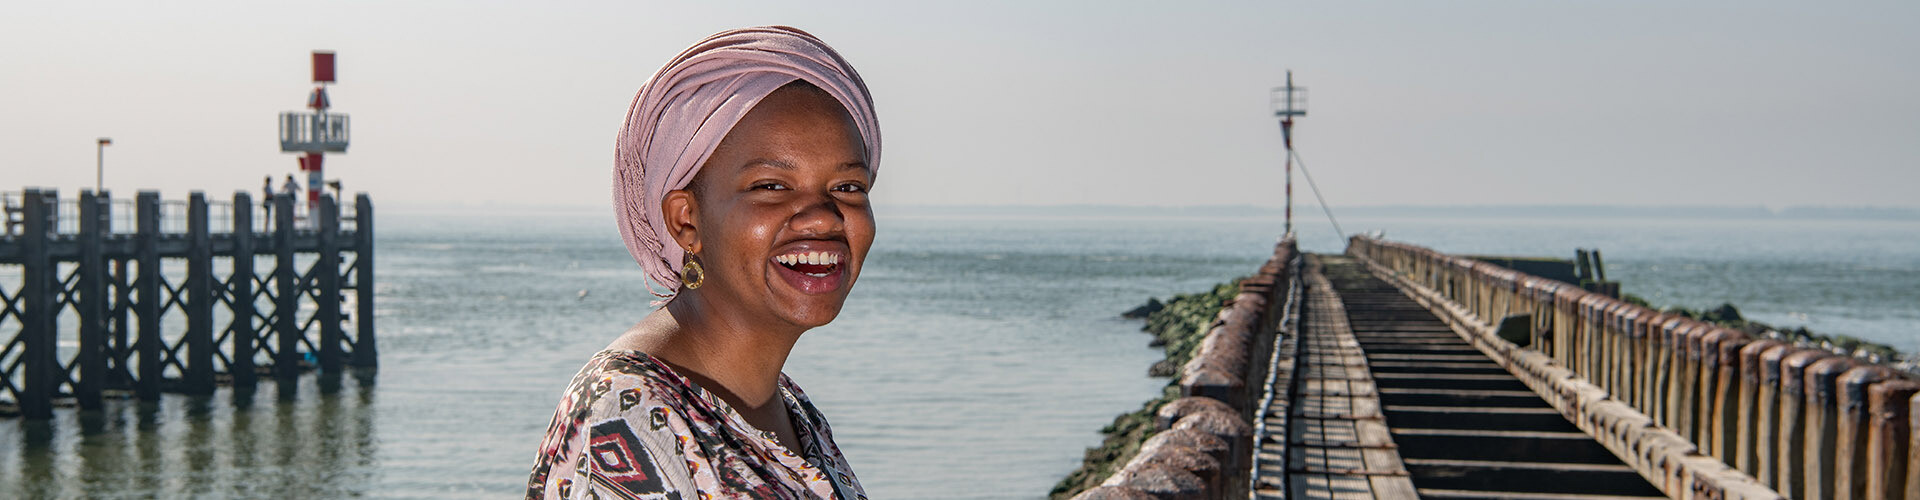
<point x="1338" y="233"/>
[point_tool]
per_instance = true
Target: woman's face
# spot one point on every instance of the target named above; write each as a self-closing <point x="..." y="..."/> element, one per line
<point x="780" y="215"/>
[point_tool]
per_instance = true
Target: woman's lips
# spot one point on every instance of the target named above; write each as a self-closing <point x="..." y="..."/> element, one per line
<point x="811" y="271"/>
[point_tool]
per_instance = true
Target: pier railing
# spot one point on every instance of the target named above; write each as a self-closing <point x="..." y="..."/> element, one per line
<point x="178" y="297"/>
<point x="1702" y="411"/>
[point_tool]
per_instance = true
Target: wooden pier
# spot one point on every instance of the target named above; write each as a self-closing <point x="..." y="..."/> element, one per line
<point x="1399" y="372"/>
<point x="175" y="299"/>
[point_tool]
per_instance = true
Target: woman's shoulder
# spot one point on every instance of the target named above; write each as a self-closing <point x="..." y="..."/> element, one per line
<point x="611" y="431"/>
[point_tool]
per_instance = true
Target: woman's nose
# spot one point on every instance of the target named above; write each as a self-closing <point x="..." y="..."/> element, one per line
<point x="819" y="215"/>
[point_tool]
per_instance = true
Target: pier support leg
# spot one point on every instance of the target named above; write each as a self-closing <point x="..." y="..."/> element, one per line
<point x="93" y="302"/>
<point x="286" y="303"/>
<point x="37" y="332"/>
<point x="326" y="271"/>
<point x="241" y="332"/>
<point x="146" y="312"/>
<point x="199" y="303"/>
<point x="366" y="350"/>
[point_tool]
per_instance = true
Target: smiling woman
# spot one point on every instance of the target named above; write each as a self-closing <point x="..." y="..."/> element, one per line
<point x="741" y="183"/>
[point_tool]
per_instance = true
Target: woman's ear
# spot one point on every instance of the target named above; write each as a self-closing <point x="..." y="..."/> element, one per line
<point x="682" y="213"/>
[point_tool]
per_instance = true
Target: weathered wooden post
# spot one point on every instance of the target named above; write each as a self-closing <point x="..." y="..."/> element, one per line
<point x="39" y="307"/>
<point x="1822" y="386"/>
<point x="147" y="287"/>
<point x="241" y="331"/>
<point x="1751" y="403"/>
<point x="1645" y="333"/>
<point x="1852" y="427"/>
<point x="366" y="351"/>
<point x="286" y="305"/>
<point x="326" y="271"/>
<point x="1660" y="371"/>
<point x="93" y="302"/>
<point x="1698" y="387"/>
<point x="1768" y="434"/>
<point x="1680" y="374"/>
<point x="1793" y="425"/>
<point x="1620" y="353"/>
<point x="1913" y="446"/>
<point x="1726" y="412"/>
<point x="198" y="378"/>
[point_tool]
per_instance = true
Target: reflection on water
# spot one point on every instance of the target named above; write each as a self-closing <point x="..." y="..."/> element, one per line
<point x="310" y="438"/>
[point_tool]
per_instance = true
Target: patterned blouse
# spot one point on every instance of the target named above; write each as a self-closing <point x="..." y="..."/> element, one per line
<point x="630" y="427"/>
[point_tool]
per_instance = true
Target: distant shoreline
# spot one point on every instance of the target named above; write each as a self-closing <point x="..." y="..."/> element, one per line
<point x="1754" y="212"/>
<point x="1696" y="212"/>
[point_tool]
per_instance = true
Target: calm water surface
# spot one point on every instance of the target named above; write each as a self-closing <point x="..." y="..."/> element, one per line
<point x="977" y="357"/>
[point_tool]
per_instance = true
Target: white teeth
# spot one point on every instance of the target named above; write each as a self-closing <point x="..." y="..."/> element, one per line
<point x="810" y="258"/>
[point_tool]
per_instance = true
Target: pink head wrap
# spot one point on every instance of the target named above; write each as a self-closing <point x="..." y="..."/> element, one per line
<point x="682" y="112"/>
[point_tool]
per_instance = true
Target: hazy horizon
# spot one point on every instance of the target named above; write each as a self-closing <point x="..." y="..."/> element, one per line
<point x="1775" y="104"/>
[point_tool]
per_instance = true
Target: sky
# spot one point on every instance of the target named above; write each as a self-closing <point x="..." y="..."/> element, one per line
<point x="516" y="104"/>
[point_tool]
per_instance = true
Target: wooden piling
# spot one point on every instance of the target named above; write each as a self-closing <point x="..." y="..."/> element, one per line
<point x="1913" y="447"/>
<point x="241" y="332"/>
<point x="91" y="353"/>
<point x="1822" y="442"/>
<point x="326" y="271"/>
<point x="365" y="350"/>
<point x="198" y="378"/>
<point x="38" y="307"/>
<point x="1751" y="402"/>
<point x="1851" y="429"/>
<point x="286" y="303"/>
<point x="147" y="339"/>
<point x="1680" y="376"/>
<point x="1792" y="455"/>
<point x="1665" y="363"/>
<point x="1768" y="435"/>
<point x="1726" y="409"/>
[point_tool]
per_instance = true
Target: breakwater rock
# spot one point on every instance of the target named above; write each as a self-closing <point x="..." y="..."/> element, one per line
<point x="1193" y="441"/>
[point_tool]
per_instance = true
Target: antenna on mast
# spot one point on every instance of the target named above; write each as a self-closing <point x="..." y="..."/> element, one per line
<point x="1289" y="102"/>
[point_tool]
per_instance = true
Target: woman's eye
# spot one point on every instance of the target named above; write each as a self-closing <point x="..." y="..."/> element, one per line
<point x="850" y="188"/>
<point x="769" y="186"/>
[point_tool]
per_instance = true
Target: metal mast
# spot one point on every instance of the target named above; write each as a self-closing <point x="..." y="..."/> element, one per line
<point x="1289" y="102"/>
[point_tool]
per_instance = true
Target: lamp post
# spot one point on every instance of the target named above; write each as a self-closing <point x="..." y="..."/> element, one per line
<point x="100" y="163"/>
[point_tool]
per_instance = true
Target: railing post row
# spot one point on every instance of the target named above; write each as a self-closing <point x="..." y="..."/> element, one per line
<point x="1802" y="421"/>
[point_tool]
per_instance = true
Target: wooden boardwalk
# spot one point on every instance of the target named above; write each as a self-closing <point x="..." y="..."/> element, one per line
<point x="1387" y="401"/>
<point x="1335" y="441"/>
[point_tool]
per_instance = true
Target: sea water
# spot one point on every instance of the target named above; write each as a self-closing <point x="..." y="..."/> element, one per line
<point x="977" y="358"/>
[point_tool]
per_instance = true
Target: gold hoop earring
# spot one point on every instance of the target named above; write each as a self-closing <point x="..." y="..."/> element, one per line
<point x="691" y="274"/>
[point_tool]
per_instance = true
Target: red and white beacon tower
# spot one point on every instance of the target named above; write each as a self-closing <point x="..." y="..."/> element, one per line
<point x="315" y="133"/>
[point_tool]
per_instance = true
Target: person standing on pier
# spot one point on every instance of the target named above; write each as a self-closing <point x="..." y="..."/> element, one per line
<point x="266" y="196"/>
<point x="291" y="190"/>
<point x="740" y="182"/>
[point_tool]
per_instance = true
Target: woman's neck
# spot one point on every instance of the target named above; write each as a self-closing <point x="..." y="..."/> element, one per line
<point x="726" y="356"/>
